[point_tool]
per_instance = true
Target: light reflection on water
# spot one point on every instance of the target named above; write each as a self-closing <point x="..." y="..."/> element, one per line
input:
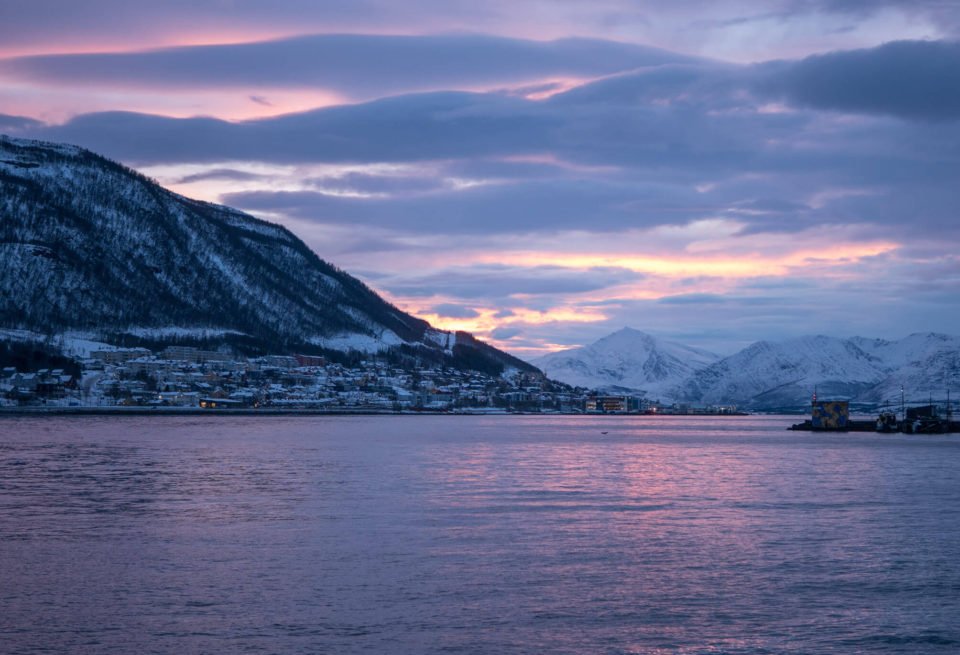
<point x="474" y="534"/>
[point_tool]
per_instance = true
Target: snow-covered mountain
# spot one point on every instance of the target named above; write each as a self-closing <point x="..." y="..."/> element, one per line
<point x="924" y="364"/>
<point x="629" y="360"/>
<point x="87" y="244"/>
<point x="769" y="375"/>
<point x="766" y="374"/>
<point x="774" y="374"/>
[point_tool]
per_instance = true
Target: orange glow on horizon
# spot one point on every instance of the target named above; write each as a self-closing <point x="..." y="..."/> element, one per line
<point x="727" y="266"/>
<point x="720" y="273"/>
<point x="486" y="321"/>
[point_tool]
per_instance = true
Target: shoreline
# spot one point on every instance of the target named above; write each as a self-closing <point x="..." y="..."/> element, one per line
<point x="197" y="411"/>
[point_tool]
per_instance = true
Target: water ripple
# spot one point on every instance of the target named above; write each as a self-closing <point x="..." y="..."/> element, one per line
<point x="474" y="535"/>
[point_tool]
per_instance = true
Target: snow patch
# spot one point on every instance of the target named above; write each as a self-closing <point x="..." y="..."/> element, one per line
<point x="366" y="343"/>
<point x="442" y="338"/>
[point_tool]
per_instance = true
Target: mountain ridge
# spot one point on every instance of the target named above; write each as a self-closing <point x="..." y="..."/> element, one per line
<point x="783" y="374"/>
<point x="89" y="244"/>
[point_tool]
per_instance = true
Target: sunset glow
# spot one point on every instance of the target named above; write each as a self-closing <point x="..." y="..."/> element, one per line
<point x="543" y="177"/>
<point x="753" y="265"/>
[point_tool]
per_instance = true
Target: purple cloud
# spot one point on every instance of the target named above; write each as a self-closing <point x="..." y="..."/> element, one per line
<point x="18" y="123"/>
<point x="451" y="310"/>
<point x="220" y="174"/>
<point x="504" y="333"/>
<point x="909" y="79"/>
<point x="501" y="281"/>
<point x="527" y="207"/>
<point x="356" y="65"/>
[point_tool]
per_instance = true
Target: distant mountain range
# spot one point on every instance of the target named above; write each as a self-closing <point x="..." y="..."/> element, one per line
<point x="767" y="374"/>
<point x="87" y="244"/>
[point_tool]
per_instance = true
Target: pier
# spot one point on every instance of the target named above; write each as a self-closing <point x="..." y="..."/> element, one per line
<point x="834" y="416"/>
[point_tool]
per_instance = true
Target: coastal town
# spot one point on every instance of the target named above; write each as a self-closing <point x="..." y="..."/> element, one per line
<point x="187" y="377"/>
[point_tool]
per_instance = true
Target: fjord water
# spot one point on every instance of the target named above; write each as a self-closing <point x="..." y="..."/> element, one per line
<point x="499" y="534"/>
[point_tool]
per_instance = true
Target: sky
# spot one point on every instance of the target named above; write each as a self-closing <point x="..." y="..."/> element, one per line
<point x="545" y="173"/>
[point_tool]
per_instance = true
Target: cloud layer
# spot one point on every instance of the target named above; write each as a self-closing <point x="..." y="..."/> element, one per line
<point x="357" y="66"/>
<point x="544" y="193"/>
<point x="909" y="79"/>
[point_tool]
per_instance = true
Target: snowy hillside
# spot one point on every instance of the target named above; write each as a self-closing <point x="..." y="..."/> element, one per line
<point x="89" y="245"/>
<point x="627" y="359"/>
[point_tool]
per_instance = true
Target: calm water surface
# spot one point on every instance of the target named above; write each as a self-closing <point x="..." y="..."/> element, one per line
<point x="476" y="535"/>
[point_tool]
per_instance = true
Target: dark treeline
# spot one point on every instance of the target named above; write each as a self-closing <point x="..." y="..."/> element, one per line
<point x="32" y="356"/>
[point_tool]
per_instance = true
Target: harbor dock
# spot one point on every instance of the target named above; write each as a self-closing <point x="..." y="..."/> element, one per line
<point x="834" y="416"/>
